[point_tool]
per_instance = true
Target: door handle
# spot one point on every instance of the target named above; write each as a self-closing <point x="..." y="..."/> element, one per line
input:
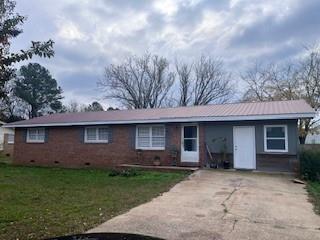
<point x="235" y="148"/>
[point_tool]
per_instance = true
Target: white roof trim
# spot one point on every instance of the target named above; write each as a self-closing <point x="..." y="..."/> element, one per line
<point x="164" y="120"/>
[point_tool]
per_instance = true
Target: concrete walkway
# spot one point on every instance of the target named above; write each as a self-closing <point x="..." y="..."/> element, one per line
<point x="224" y="205"/>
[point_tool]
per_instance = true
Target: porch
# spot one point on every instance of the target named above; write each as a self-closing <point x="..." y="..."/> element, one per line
<point x="158" y="168"/>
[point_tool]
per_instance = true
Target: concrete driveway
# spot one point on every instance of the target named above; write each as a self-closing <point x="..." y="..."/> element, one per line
<point x="224" y="205"/>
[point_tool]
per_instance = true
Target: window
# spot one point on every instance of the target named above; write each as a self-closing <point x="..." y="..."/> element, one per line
<point x="10" y="138"/>
<point x="35" y="135"/>
<point x="275" y="138"/>
<point x="150" y="137"/>
<point x="96" y="135"/>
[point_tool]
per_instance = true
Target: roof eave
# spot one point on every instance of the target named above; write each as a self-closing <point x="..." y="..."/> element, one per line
<point x="164" y="120"/>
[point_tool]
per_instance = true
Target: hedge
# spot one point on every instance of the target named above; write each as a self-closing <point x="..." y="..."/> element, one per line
<point x="310" y="164"/>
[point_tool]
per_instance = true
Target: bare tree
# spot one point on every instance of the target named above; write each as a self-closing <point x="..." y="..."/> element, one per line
<point x="272" y="82"/>
<point x="140" y="82"/>
<point x="309" y="78"/>
<point x="204" y="81"/>
<point x="74" y="107"/>
<point x="257" y="79"/>
<point x="212" y="82"/>
<point x="284" y="83"/>
<point x="184" y="75"/>
<point x="287" y="82"/>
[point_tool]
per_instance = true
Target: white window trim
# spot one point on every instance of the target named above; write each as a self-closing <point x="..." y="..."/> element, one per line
<point x="97" y="134"/>
<point x="285" y="138"/>
<point x="10" y="142"/>
<point x="37" y="140"/>
<point x="150" y="138"/>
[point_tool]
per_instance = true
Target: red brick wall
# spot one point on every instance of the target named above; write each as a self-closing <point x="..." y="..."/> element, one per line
<point x="65" y="148"/>
<point x="202" y="145"/>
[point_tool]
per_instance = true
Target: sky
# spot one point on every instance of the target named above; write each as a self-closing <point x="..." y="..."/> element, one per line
<point x="91" y="34"/>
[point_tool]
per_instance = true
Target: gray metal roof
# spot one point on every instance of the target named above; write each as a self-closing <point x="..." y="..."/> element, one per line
<point x="292" y="109"/>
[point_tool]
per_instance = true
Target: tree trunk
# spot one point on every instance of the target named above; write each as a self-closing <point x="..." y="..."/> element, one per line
<point x="34" y="112"/>
<point x="302" y="139"/>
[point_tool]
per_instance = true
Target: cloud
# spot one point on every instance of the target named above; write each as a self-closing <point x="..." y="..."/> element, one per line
<point x="296" y="23"/>
<point x="69" y="31"/>
<point x="90" y="36"/>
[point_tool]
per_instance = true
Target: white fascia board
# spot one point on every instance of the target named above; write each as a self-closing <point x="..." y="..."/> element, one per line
<point x="171" y="120"/>
<point x="9" y="127"/>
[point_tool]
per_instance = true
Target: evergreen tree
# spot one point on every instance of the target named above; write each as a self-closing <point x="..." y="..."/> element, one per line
<point x="38" y="89"/>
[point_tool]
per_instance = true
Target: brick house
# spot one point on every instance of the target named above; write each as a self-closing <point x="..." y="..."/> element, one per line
<point x="261" y="135"/>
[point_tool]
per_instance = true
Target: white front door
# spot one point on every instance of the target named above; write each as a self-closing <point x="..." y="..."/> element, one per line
<point x="244" y="147"/>
<point x="190" y="143"/>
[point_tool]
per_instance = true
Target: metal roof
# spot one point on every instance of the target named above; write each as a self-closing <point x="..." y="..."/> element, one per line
<point x="293" y="109"/>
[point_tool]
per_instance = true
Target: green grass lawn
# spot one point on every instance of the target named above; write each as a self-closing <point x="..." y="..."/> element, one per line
<point x="314" y="191"/>
<point x="46" y="202"/>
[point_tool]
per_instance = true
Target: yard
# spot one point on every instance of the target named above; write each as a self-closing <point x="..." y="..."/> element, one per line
<point x="44" y="202"/>
<point x="314" y="192"/>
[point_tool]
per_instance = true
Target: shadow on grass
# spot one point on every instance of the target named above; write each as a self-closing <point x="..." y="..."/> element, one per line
<point x="106" y="236"/>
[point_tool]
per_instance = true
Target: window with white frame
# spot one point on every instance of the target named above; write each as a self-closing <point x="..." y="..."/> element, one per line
<point x="275" y="138"/>
<point x="150" y="137"/>
<point x="10" y="138"/>
<point x="35" y="135"/>
<point x="96" y="135"/>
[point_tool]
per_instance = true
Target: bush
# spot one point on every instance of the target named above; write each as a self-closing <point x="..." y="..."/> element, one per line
<point x="310" y="165"/>
<point x="123" y="172"/>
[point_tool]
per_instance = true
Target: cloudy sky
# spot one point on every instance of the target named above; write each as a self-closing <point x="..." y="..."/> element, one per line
<point x="89" y="34"/>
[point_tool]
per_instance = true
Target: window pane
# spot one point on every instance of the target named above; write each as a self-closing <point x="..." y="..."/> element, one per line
<point x="158" y="131"/>
<point x="190" y="132"/>
<point x="158" y="142"/>
<point x="33" y="131"/>
<point x="277" y="132"/>
<point x="91" y="134"/>
<point x="103" y="133"/>
<point x="32" y="134"/>
<point x="143" y="142"/>
<point x="190" y="145"/>
<point x="41" y="134"/>
<point x="276" y="144"/>
<point x="10" y="138"/>
<point x="143" y="131"/>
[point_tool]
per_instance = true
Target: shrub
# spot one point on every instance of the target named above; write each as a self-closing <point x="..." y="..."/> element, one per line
<point x="123" y="172"/>
<point x="310" y="164"/>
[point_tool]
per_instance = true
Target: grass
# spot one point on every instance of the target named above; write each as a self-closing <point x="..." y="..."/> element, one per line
<point x="314" y="192"/>
<point x="45" y="202"/>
